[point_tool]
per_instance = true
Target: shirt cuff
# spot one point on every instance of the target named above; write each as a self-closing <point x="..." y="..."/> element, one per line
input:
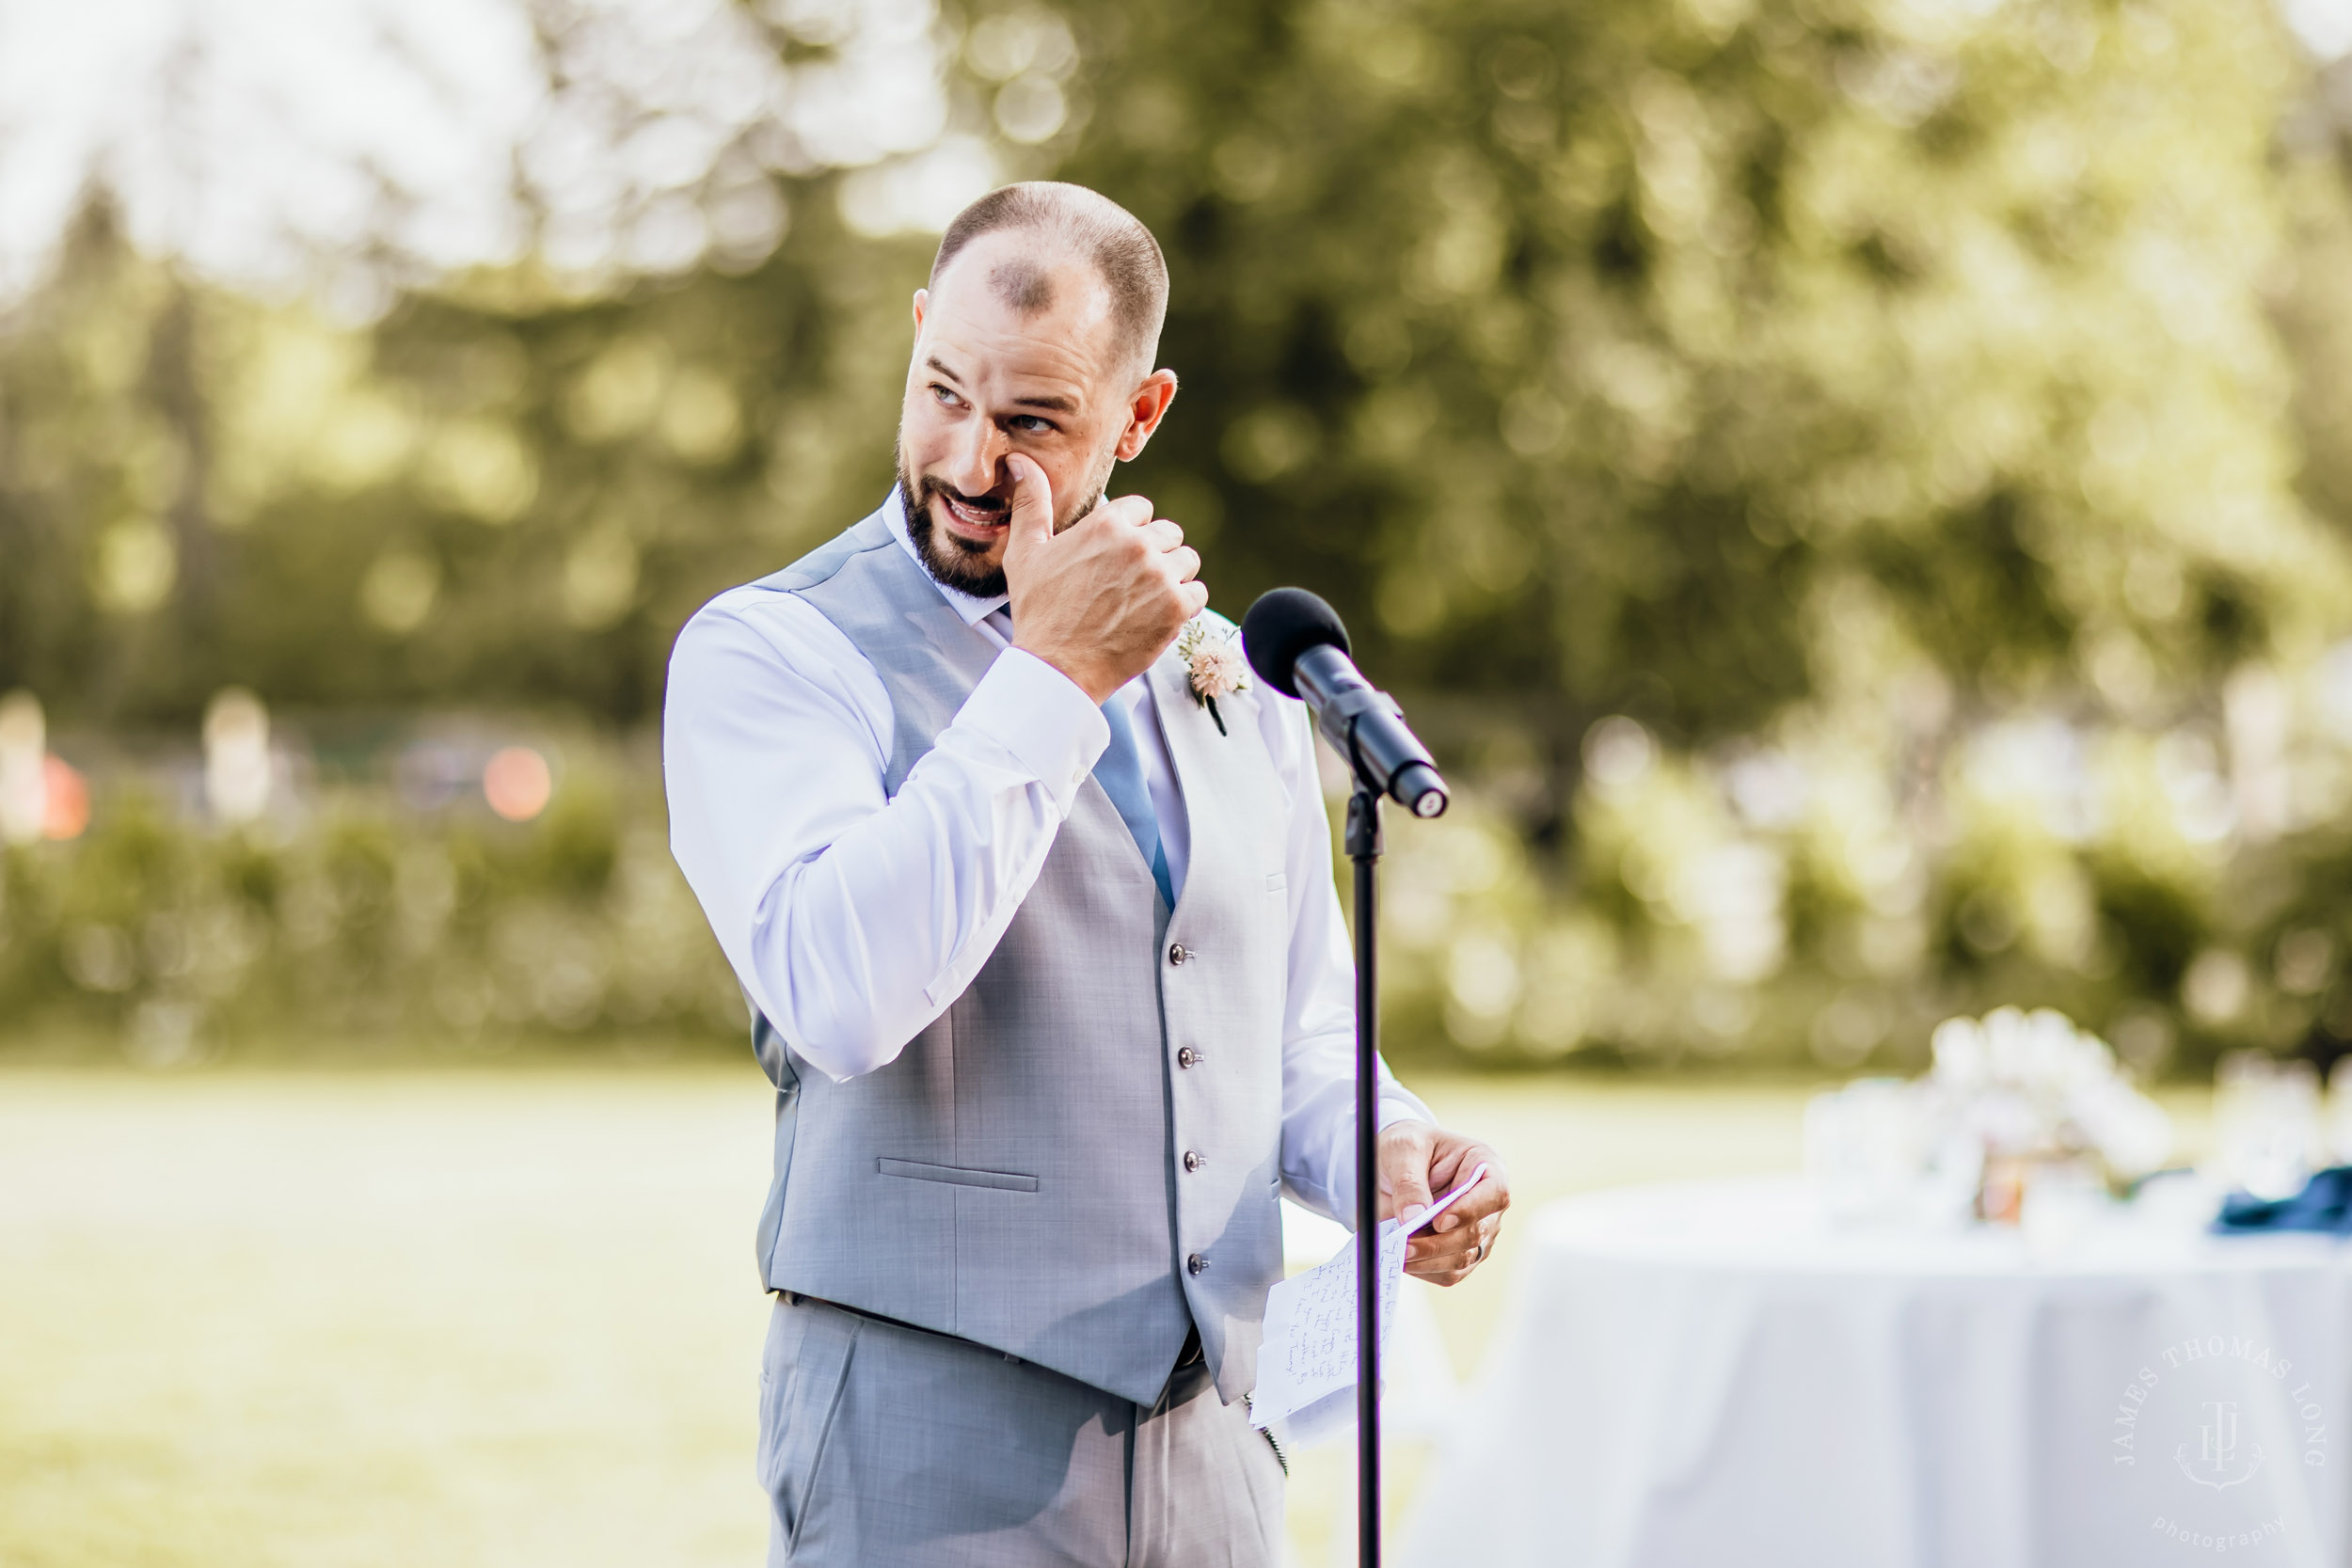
<point x="1397" y="1104"/>
<point x="1395" y="1107"/>
<point x="1040" y="715"/>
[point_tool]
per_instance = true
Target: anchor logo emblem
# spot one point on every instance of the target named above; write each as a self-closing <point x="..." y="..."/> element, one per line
<point x="2218" y="1463"/>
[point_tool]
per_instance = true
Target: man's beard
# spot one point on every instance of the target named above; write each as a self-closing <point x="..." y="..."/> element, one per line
<point x="951" y="559"/>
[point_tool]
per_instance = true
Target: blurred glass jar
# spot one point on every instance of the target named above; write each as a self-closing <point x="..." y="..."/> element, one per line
<point x="2060" y="1203"/>
<point x="2266" y="1124"/>
<point x="1865" y="1147"/>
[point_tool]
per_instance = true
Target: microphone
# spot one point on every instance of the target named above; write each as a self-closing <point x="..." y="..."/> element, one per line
<point x="1297" y="646"/>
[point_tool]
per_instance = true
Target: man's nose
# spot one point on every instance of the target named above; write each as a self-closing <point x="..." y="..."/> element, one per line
<point x="978" y="450"/>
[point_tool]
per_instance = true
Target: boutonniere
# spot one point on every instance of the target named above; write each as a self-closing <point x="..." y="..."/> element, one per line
<point x="1214" y="666"/>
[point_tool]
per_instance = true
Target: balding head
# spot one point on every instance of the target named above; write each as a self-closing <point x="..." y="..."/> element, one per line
<point x="1034" y="339"/>
<point x="1069" y="222"/>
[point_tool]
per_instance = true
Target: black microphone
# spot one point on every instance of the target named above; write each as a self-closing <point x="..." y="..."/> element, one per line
<point x="1297" y="645"/>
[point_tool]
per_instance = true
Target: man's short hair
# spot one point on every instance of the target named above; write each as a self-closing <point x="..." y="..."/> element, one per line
<point x="1113" y="239"/>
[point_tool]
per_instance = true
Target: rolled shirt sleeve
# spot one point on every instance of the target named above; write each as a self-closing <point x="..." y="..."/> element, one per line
<point x="853" y="918"/>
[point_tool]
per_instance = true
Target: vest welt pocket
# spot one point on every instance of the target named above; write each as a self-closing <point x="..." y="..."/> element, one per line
<point x="958" y="1176"/>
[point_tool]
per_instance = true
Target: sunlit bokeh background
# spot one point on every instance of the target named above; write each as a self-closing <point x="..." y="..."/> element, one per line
<point x="1859" y="492"/>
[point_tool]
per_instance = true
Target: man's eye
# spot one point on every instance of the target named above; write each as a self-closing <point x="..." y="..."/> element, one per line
<point x="1030" y="424"/>
<point x="946" y="395"/>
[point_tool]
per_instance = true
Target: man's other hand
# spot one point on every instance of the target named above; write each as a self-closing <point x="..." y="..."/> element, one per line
<point x="1418" y="1161"/>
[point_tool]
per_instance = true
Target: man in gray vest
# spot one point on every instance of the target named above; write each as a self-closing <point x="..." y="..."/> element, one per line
<point x="1048" y="965"/>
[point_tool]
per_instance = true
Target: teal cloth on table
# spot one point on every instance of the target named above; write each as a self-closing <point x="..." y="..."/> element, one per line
<point x="2325" y="1204"/>
<point x="1120" y="771"/>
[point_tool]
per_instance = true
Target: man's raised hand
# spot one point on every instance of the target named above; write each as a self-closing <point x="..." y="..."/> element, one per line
<point x="1104" y="598"/>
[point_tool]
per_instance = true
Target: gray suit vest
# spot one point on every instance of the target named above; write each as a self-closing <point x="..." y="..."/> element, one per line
<point x="1038" y="1170"/>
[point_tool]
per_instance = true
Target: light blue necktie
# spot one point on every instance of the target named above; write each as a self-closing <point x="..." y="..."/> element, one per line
<point x="1120" y="771"/>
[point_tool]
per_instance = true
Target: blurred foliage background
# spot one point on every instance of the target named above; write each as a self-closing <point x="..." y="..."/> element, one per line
<point x="1860" y="492"/>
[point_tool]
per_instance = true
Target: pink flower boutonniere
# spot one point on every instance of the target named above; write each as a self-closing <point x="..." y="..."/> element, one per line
<point x="1214" y="664"/>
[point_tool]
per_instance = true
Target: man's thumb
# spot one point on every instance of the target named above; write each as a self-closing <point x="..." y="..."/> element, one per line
<point x="1406" y="1182"/>
<point x="1031" y="522"/>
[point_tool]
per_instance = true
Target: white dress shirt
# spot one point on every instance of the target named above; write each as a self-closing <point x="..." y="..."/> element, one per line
<point x="854" y="919"/>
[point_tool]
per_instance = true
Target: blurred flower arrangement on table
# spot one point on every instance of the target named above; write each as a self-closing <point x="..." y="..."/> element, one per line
<point x="2020" y="1095"/>
<point x="2022" y="1115"/>
<point x="2027" y="1120"/>
<point x="2025" y="1087"/>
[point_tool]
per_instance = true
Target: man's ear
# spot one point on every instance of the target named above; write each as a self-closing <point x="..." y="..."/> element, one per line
<point x="922" y="300"/>
<point x="1145" y="409"/>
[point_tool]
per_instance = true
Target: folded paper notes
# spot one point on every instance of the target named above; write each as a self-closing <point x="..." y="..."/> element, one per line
<point x="1307" y="1361"/>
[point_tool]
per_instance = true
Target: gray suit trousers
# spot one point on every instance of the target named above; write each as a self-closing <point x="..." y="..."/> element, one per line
<point x="887" y="1446"/>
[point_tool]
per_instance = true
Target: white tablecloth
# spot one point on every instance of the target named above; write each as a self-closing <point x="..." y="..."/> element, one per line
<point x="1713" y="1375"/>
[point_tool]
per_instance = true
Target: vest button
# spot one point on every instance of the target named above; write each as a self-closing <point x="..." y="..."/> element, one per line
<point x="1178" y="952"/>
<point x="1189" y="1057"/>
<point x="1193" y="1159"/>
<point x="1196" y="1264"/>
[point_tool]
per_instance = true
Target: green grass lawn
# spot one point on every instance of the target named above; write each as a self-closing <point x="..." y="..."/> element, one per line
<point x="350" y="1320"/>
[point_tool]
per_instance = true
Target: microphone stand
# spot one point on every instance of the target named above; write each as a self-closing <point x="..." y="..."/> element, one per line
<point x="1363" y="846"/>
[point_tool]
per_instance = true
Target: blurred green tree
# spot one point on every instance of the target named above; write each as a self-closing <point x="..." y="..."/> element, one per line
<point x="1599" y="358"/>
<point x="1846" y="381"/>
<point x="2314" y="299"/>
<point x="1648" y="358"/>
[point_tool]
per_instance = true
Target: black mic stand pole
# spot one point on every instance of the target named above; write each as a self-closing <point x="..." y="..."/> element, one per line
<point x="1363" y="848"/>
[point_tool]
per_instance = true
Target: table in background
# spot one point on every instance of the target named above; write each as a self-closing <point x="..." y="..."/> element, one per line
<point x="1713" y="1375"/>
